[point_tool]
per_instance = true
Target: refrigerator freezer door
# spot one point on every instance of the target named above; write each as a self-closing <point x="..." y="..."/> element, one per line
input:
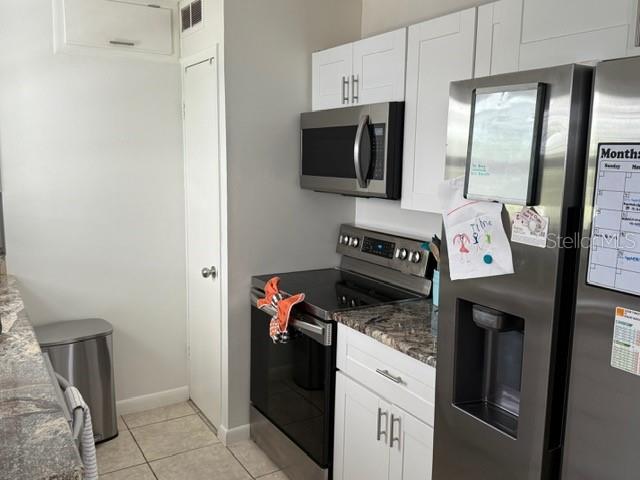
<point x="500" y="394"/>
<point x="603" y="420"/>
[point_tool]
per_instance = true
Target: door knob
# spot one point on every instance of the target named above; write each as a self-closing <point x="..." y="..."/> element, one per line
<point x="209" y="272"/>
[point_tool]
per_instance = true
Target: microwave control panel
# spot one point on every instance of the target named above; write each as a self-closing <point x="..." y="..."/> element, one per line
<point x="378" y="149"/>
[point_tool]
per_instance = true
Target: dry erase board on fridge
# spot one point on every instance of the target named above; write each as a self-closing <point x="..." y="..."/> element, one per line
<point x="504" y="143"/>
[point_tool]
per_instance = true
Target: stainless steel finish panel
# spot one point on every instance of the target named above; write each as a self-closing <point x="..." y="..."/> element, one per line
<point x="345" y="186"/>
<point x="465" y="447"/>
<point x="318" y="331"/>
<point x="343" y="117"/>
<point x="87" y="365"/>
<point x="603" y="422"/>
<point x="287" y="456"/>
<point x="418" y="285"/>
<point x="377" y="113"/>
<point x="418" y="269"/>
<point x="72" y="331"/>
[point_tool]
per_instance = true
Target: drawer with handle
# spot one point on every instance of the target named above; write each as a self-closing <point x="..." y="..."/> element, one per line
<point x="400" y="379"/>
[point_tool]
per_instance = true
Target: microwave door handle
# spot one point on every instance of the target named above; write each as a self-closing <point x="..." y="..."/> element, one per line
<point x="357" y="153"/>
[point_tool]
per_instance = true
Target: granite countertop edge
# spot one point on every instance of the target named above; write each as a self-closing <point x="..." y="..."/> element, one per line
<point x="35" y="438"/>
<point x="408" y="327"/>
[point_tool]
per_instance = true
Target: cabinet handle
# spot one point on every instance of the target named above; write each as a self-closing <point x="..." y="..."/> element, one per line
<point x="121" y="42"/>
<point x="355" y="82"/>
<point x="394" y="419"/>
<point x="379" y="432"/>
<point x="345" y="90"/>
<point x="637" y="39"/>
<point x="386" y="374"/>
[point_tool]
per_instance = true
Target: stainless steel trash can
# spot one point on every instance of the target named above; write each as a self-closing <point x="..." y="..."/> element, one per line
<point x="82" y="352"/>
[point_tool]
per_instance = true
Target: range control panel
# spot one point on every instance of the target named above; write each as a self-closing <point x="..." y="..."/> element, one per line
<point x="374" y="246"/>
<point x="400" y="253"/>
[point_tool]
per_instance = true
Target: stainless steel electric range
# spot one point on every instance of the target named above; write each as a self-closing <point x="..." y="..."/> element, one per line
<point x="292" y="384"/>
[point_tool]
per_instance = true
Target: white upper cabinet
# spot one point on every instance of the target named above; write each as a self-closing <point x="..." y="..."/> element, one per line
<point x="378" y="68"/>
<point x="496" y="27"/>
<point x="331" y="71"/>
<point x="367" y="71"/>
<point x="439" y="51"/>
<point x="114" y="26"/>
<point x="524" y="34"/>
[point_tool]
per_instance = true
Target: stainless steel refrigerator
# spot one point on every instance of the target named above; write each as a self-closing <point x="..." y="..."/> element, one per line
<point x="503" y="340"/>
<point x="603" y="416"/>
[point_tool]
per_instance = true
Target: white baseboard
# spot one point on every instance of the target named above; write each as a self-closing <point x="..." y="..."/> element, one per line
<point x="152" y="400"/>
<point x="233" y="435"/>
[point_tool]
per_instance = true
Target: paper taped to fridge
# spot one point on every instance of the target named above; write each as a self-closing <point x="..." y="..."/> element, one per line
<point x="476" y="241"/>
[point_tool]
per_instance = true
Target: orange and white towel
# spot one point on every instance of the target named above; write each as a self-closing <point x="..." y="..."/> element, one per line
<point x="273" y="297"/>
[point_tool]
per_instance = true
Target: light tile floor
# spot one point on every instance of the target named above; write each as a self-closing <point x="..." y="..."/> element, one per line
<point x="177" y="443"/>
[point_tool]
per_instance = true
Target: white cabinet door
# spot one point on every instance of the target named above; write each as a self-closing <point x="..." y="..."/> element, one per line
<point x="331" y="74"/>
<point x="412" y="449"/>
<point x="524" y="34"/>
<point x="555" y="33"/>
<point x="361" y="433"/>
<point x="498" y="37"/>
<point x="118" y="25"/>
<point x="378" y="68"/>
<point x="439" y="51"/>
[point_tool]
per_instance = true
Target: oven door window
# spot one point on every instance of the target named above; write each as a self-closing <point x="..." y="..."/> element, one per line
<point x="292" y="385"/>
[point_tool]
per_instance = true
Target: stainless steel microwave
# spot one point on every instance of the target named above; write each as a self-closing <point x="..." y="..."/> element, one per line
<point x="353" y="151"/>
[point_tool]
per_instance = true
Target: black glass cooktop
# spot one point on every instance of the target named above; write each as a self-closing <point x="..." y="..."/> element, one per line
<point x="330" y="290"/>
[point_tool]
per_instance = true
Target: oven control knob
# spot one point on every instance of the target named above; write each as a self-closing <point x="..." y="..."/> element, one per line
<point x="346" y="239"/>
<point x="415" y="257"/>
<point x="340" y="239"/>
<point x="353" y="302"/>
<point x="402" y="253"/>
<point x="354" y="242"/>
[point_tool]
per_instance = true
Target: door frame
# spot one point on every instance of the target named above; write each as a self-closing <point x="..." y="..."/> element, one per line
<point x="222" y="278"/>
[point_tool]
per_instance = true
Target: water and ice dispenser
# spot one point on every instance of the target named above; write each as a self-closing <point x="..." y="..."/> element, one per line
<point x="488" y="365"/>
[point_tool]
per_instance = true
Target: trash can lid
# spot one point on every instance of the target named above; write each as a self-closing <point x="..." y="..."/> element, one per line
<point x="72" y="331"/>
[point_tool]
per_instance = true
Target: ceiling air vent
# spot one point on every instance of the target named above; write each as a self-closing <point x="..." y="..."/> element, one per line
<point x="191" y="15"/>
<point x="196" y="12"/>
<point x="185" y="13"/>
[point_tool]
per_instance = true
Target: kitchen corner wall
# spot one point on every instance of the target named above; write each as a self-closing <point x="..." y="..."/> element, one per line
<point x="273" y="225"/>
<point x="92" y="173"/>
<point x="380" y="16"/>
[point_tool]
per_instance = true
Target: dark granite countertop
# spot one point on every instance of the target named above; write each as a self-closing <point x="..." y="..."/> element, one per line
<point x="35" y="439"/>
<point x="409" y="327"/>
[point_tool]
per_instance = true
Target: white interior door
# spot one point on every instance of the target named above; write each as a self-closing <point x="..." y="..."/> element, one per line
<point x="202" y="184"/>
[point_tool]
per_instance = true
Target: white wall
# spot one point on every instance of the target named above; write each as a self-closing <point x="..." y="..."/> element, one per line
<point x="92" y="177"/>
<point x="274" y="226"/>
<point x="380" y="16"/>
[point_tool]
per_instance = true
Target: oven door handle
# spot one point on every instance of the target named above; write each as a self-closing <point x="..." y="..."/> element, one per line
<point x="362" y="167"/>
<point x="318" y="331"/>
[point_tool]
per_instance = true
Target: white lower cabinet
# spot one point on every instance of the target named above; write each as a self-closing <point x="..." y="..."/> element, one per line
<point x="376" y="440"/>
<point x="411" y="447"/>
<point x="361" y="434"/>
<point x="382" y="430"/>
